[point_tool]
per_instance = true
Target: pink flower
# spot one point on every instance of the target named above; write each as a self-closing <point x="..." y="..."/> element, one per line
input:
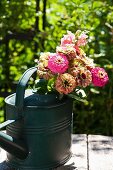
<point x="99" y="76"/>
<point x="58" y="63"/>
<point x="69" y="38"/>
<point x="82" y="40"/>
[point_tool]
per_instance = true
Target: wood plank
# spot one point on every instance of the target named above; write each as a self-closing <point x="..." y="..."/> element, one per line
<point x="79" y="154"/>
<point x="100" y="152"/>
<point x="2" y="155"/>
<point x="78" y="160"/>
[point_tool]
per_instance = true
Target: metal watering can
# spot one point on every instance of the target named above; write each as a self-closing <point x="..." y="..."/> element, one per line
<point x="38" y="133"/>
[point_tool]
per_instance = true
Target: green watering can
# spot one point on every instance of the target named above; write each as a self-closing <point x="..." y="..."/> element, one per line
<point x="38" y="128"/>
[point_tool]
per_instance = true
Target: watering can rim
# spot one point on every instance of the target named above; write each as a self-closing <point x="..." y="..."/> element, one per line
<point x="39" y="106"/>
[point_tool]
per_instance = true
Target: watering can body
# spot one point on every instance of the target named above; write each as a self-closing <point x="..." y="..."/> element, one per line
<point x="43" y="128"/>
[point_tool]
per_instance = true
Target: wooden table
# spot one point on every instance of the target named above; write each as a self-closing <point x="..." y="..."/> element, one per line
<point x="89" y="152"/>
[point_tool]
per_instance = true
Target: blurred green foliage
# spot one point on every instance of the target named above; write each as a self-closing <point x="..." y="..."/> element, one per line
<point x="94" y="116"/>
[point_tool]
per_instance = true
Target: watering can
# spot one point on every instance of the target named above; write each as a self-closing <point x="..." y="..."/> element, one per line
<point x="38" y="128"/>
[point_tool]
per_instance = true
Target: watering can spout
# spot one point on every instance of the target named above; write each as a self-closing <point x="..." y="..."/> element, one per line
<point x="13" y="146"/>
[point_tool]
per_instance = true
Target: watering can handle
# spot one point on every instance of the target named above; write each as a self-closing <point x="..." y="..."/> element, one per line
<point x="20" y="90"/>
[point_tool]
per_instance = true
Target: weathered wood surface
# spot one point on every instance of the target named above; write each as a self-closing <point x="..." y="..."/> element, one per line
<point x="89" y="152"/>
<point x="100" y="152"/>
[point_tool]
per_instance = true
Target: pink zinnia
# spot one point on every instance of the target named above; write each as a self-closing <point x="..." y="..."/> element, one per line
<point x="82" y="40"/>
<point x="69" y="38"/>
<point x="58" y="63"/>
<point x="99" y="76"/>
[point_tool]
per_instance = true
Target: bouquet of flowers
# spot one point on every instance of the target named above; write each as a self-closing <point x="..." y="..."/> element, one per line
<point x="69" y="69"/>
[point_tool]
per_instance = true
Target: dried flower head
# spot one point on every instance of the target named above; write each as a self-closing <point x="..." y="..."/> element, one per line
<point x="43" y="70"/>
<point x="65" y="83"/>
<point x="83" y="78"/>
<point x="67" y="50"/>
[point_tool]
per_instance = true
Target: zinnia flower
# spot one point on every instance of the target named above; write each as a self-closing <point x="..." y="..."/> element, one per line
<point x="44" y="56"/>
<point x="65" y="83"/>
<point x="43" y="71"/>
<point x="77" y="63"/>
<point x="69" y="38"/>
<point x="58" y="63"/>
<point x="43" y="61"/>
<point x="82" y="39"/>
<point x="88" y="62"/>
<point x="67" y="50"/>
<point x="99" y="76"/>
<point x="82" y="62"/>
<point x="83" y="77"/>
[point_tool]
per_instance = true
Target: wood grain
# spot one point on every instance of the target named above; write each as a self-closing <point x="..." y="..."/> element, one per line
<point x="2" y="155"/>
<point x="100" y="152"/>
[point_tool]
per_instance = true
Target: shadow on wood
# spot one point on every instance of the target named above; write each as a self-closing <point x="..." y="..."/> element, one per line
<point x="4" y="166"/>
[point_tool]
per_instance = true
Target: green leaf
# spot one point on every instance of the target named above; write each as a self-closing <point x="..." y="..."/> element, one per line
<point x="77" y="98"/>
<point x="94" y="91"/>
<point x="50" y="84"/>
